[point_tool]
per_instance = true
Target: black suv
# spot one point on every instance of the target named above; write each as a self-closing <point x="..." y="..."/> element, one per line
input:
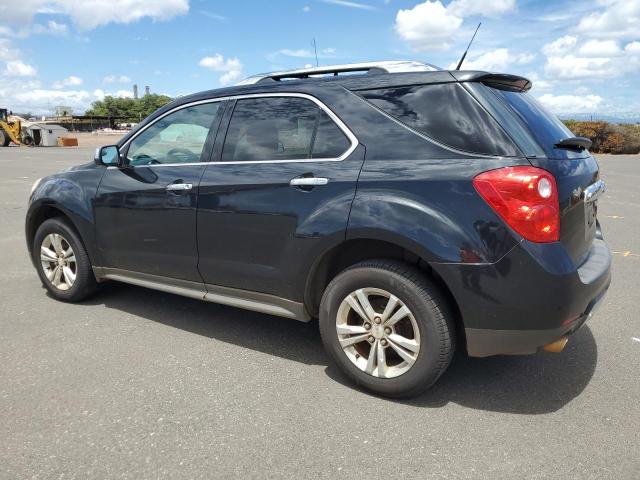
<point x="412" y="210"/>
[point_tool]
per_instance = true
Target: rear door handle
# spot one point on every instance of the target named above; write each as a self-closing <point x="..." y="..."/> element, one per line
<point x="308" y="181"/>
<point x="178" y="187"/>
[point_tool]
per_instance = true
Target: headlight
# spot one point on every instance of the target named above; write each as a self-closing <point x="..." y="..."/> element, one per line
<point x="35" y="185"/>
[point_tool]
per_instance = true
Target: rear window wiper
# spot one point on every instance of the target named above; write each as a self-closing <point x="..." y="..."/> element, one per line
<point x="574" y="143"/>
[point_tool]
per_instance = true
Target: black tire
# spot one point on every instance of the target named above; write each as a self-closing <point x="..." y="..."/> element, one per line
<point x="429" y="307"/>
<point x="85" y="283"/>
<point x="4" y="138"/>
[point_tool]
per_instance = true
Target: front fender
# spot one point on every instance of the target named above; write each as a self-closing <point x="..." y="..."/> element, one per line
<point x="70" y="193"/>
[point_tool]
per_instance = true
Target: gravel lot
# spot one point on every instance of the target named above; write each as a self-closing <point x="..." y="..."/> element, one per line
<point x="140" y="384"/>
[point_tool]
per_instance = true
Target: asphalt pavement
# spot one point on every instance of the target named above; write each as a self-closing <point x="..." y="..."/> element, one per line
<point x="138" y="384"/>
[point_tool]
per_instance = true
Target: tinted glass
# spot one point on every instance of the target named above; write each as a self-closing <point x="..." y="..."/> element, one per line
<point x="448" y="114"/>
<point x="507" y="119"/>
<point x="177" y="138"/>
<point x="275" y="128"/>
<point x="330" y="141"/>
<point x="543" y="125"/>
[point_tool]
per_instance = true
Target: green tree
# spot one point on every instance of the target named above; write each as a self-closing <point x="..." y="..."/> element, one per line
<point x="128" y="108"/>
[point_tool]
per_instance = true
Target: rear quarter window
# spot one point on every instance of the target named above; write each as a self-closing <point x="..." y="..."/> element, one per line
<point x="448" y="114"/>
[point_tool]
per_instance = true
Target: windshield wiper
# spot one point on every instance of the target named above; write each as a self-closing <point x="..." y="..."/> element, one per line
<point x="574" y="143"/>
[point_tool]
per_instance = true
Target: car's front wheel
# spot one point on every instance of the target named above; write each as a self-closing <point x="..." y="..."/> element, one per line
<point x="62" y="261"/>
<point x="387" y="327"/>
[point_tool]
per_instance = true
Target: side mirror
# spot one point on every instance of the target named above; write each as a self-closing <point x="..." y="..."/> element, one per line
<point x="109" y="155"/>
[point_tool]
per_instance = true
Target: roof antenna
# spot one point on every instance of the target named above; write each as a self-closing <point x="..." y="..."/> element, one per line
<point x="315" y="50"/>
<point x="465" y="52"/>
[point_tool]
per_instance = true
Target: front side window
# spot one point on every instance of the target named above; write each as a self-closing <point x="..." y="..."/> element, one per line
<point x="447" y="113"/>
<point x="177" y="138"/>
<point x="281" y="128"/>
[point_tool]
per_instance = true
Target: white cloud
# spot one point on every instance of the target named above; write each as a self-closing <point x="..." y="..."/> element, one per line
<point x="16" y="68"/>
<point x="538" y="83"/>
<point x="571" y="103"/>
<point x="486" y="8"/>
<point x="618" y="19"/>
<point x="345" y="3"/>
<point x="600" y="48"/>
<point x="7" y="52"/>
<point x="633" y="48"/>
<point x="492" y="61"/>
<point x="299" y="53"/>
<point x="71" y="81"/>
<point x="496" y="60"/>
<point x="306" y="8"/>
<point x="100" y="94"/>
<point x="122" y="94"/>
<point x="570" y="58"/>
<point x="213" y="16"/>
<point x="572" y="67"/>
<point x="116" y="79"/>
<point x="560" y="46"/>
<point x="40" y="100"/>
<point x="302" y="53"/>
<point x="431" y="26"/>
<point x="89" y="14"/>
<point x="525" y="58"/>
<point x="427" y="26"/>
<point x="231" y="67"/>
<point x="52" y="27"/>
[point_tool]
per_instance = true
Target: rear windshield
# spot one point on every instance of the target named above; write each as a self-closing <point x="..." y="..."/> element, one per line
<point x="446" y="113"/>
<point x="543" y="126"/>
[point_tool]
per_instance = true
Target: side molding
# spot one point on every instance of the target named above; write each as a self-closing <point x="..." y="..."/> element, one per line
<point x="256" y="301"/>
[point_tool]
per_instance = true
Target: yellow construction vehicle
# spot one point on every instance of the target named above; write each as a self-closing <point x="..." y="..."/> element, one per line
<point x="10" y="131"/>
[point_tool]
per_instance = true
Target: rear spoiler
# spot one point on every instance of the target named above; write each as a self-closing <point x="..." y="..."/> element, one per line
<point x="502" y="81"/>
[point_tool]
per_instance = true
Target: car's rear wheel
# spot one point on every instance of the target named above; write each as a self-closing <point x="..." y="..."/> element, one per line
<point x="62" y="262"/>
<point x="387" y="327"/>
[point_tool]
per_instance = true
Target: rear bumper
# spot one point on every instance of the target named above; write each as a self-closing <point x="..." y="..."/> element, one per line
<point x="531" y="297"/>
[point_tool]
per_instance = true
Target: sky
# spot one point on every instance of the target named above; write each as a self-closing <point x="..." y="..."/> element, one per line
<point x="582" y="56"/>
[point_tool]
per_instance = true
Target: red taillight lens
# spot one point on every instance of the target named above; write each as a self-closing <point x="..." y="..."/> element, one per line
<point x="526" y="198"/>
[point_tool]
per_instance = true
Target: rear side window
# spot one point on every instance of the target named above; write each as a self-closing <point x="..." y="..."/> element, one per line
<point x="281" y="128"/>
<point x="329" y="141"/>
<point x="446" y="113"/>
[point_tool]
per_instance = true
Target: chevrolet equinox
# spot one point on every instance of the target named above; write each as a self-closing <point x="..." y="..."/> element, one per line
<point x="412" y="210"/>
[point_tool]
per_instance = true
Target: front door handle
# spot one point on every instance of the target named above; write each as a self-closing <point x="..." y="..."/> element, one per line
<point x="308" y="181"/>
<point x="178" y="187"/>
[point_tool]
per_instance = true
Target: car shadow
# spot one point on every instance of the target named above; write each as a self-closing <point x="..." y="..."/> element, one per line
<point x="519" y="384"/>
<point x="290" y="339"/>
<point x="532" y="384"/>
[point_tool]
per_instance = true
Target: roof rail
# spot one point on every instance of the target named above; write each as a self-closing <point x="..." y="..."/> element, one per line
<point x="396" y="66"/>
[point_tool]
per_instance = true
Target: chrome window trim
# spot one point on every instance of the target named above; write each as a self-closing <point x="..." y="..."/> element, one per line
<point x="341" y="125"/>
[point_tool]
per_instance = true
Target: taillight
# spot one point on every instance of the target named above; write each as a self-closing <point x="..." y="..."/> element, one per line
<point x="526" y="198"/>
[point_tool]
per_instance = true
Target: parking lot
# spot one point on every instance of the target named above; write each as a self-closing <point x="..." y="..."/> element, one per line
<point x="141" y="384"/>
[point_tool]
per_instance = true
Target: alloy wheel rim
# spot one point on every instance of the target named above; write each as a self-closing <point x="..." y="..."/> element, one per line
<point x="378" y="332"/>
<point x="58" y="261"/>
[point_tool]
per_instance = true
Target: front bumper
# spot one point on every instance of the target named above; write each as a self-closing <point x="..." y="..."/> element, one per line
<point x="530" y="298"/>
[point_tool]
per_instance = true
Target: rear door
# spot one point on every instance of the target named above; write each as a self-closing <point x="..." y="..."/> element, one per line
<point x="146" y="209"/>
<point x="280" y="188"/>
<point x="537" y="132"/>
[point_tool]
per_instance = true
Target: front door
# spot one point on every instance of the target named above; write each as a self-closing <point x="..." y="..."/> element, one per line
<point x="146" y="209"/>
<point x="280" y="190"/>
